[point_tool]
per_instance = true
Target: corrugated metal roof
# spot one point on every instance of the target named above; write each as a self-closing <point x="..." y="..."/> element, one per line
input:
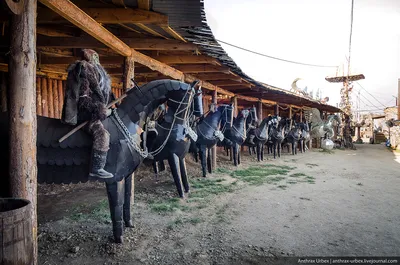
<point x="181" y="13"/>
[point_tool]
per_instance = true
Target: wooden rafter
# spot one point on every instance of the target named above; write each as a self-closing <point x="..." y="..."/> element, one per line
<point x="173" y="33"/>
<point x="144" y="4"/>
<point x="149" y="30"/>
<point x="202" y="68"/>
<point x="217" y="76"/>
<point x="55" y="31"/>
<point x="88" y="42"/>
<point x="108" y="16"/>
<point x="80" y="19"/>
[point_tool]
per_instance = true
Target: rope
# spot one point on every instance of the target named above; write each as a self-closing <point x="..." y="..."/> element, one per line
<point x="276" y="58"/>
<point x="351" y="34"/>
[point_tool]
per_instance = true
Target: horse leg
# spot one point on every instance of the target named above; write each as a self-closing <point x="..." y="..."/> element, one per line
<point x="234" y="149"/>
<point x="230" y="153"/>
<point x="293" y="148"/>
<point x="203" y="159"/>
<point x="115" y="193"/>
<point x="238" y="153"/>
<point x="275" y="146"/>
<point x="173" y="161"/>
<point x="262" y="152"/>
<point x="128" y="201"/>
<point x="209" y="165"/>
<point x="279" y="150"/>
<point x="259" y="152"/>
<point x="156" y="171"/>
<point x="182" y="166"/>
<point x="249" y="150"/>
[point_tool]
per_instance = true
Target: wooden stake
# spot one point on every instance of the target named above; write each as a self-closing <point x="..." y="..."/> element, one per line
<point x="56" y="99"/>
<point x="22" y="115"/>
<point x="50" y="99"/>
<point x="45" y="108"/>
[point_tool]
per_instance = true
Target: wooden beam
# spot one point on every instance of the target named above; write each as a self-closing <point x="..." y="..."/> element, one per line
<point x="56" y="31"/>
<point x="202" y="68"/>
<point x="111" y="15"/>
<point x="260" y="111"/>
<point x="129" y="73"/>
<point x="217" y="76"/>
<point x="23" y="125"/>
<point x="151" y="44"/>
<point x="144" y="4"/>
<point x="106" y="60"/>
<point x="185" y="59"/>
<point x="80" y="19"/>
<point x="173" y="33"/>
<point x="235" y="105"/>
<point x="214" y="148"/>
<point x="149" y="30"/>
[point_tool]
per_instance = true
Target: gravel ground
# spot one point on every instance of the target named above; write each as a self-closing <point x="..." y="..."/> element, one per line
<point x="340" y="203"/>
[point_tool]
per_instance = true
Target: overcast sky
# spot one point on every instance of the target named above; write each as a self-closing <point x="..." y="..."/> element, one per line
<point x="314" y="32"/>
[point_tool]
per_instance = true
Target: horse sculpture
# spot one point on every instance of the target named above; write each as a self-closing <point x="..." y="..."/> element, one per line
<point x="319" y="128"/>
<point x="276" y="135"/>
<point x="235" y="136"/>
<point x="251" y="125"/>
<point x="292" y="135"/>
<point x="261" y="134"/>
<point x="209" y="133"/>
<point x="68" y="161"/>
<point x="171" y="142"/>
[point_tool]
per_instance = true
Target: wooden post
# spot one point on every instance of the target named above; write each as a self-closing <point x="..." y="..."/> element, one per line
<point x="38" y="96"/>
<point x="301" y="115"/>
<point x="259" y="111"/>
<point x="60" y="87"/>
<point x="56" y="101"/>
<point x="129" y="73"/>
<point x="4" y="92"/>
<point x="50" y="104"/>
<point x="290" y="116"/>
<point x="22" y="115"/>
<point x="235" y="106"/>
<point x="45" y="109"/>
<point x="214" y="148"/>
<point x="276" y="110"/>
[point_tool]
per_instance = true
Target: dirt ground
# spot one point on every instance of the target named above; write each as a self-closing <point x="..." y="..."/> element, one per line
<point x="340" y="203"/>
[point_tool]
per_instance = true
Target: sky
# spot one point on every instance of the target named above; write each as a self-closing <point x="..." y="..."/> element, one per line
<point x="315" y="32"/>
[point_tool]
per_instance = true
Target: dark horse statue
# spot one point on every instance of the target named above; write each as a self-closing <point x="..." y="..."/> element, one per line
<point x="251" y="125"/>
<point x="276" y="135"/>
<point x="235" y="136"/>
<point x="209" y="133"/>
<point x="69" y="161"/>
<point x="172" y="140"/>
<point x="292" y="135"/>
<point x="261" y="134"/>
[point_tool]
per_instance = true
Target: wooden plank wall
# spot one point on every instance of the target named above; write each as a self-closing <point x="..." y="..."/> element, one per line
<point x="49" y="95"/>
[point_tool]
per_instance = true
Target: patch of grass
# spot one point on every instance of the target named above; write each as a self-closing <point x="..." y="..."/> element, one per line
<point x="258" y="175"/>
<point x="220" y="215"/>
<point x="170" y="205"/>
<point x="99" y="212"/>
<point x="297" y="175"/>
<point x="204" y="188"/>
<point x="195" y="220"/>
<point x="222" y="170"/>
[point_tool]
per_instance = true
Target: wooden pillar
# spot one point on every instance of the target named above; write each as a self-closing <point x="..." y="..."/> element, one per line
<point x="56" y="101"/>
<point x="45" y="109"/>
<point x="23" y="124"/>
<point x="259" y="111"/>
<point x="301" y="115"/>
<point x="60" y="87"/>
<point x="4" y="92"/>
<point x="38" y="96"/>
<point x="276" y="110"/>
<point x="129" y="73"/>
<point x="50" y="95"/>
<point x="235" y="106"/>
<point x="214" y="148"/>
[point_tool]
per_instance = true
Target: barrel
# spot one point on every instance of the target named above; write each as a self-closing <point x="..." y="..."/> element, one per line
<point x="16" y="237"/>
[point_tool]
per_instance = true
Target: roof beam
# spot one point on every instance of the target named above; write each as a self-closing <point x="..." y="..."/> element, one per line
<point x="144" y="4"/>
<point x="149" y="30"/>
<point x="108" y="16"/>
<point x="202" y="68"/>
<point x="80" y="19"/>
<point x="185" y="59"/>
<point x="217" y="76"/>
<point x="152" y="44"/>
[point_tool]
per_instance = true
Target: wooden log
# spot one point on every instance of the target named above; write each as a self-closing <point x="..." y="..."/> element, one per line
<point x="50" y="98"/>
<point x="56" y="101"/>
<point x="45" y="108"/>
<point x="22" y="115"/>
<point x="129" y="73"/>
<point x="60" y="87"/>
<point x="38" y="96"/>
<point x="4" y="93"/>
<point x="214" y="148"/>
<point x="276" y="110"/>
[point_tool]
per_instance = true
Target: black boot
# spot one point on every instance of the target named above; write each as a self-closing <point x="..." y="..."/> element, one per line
<point x="99" y="160"/>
